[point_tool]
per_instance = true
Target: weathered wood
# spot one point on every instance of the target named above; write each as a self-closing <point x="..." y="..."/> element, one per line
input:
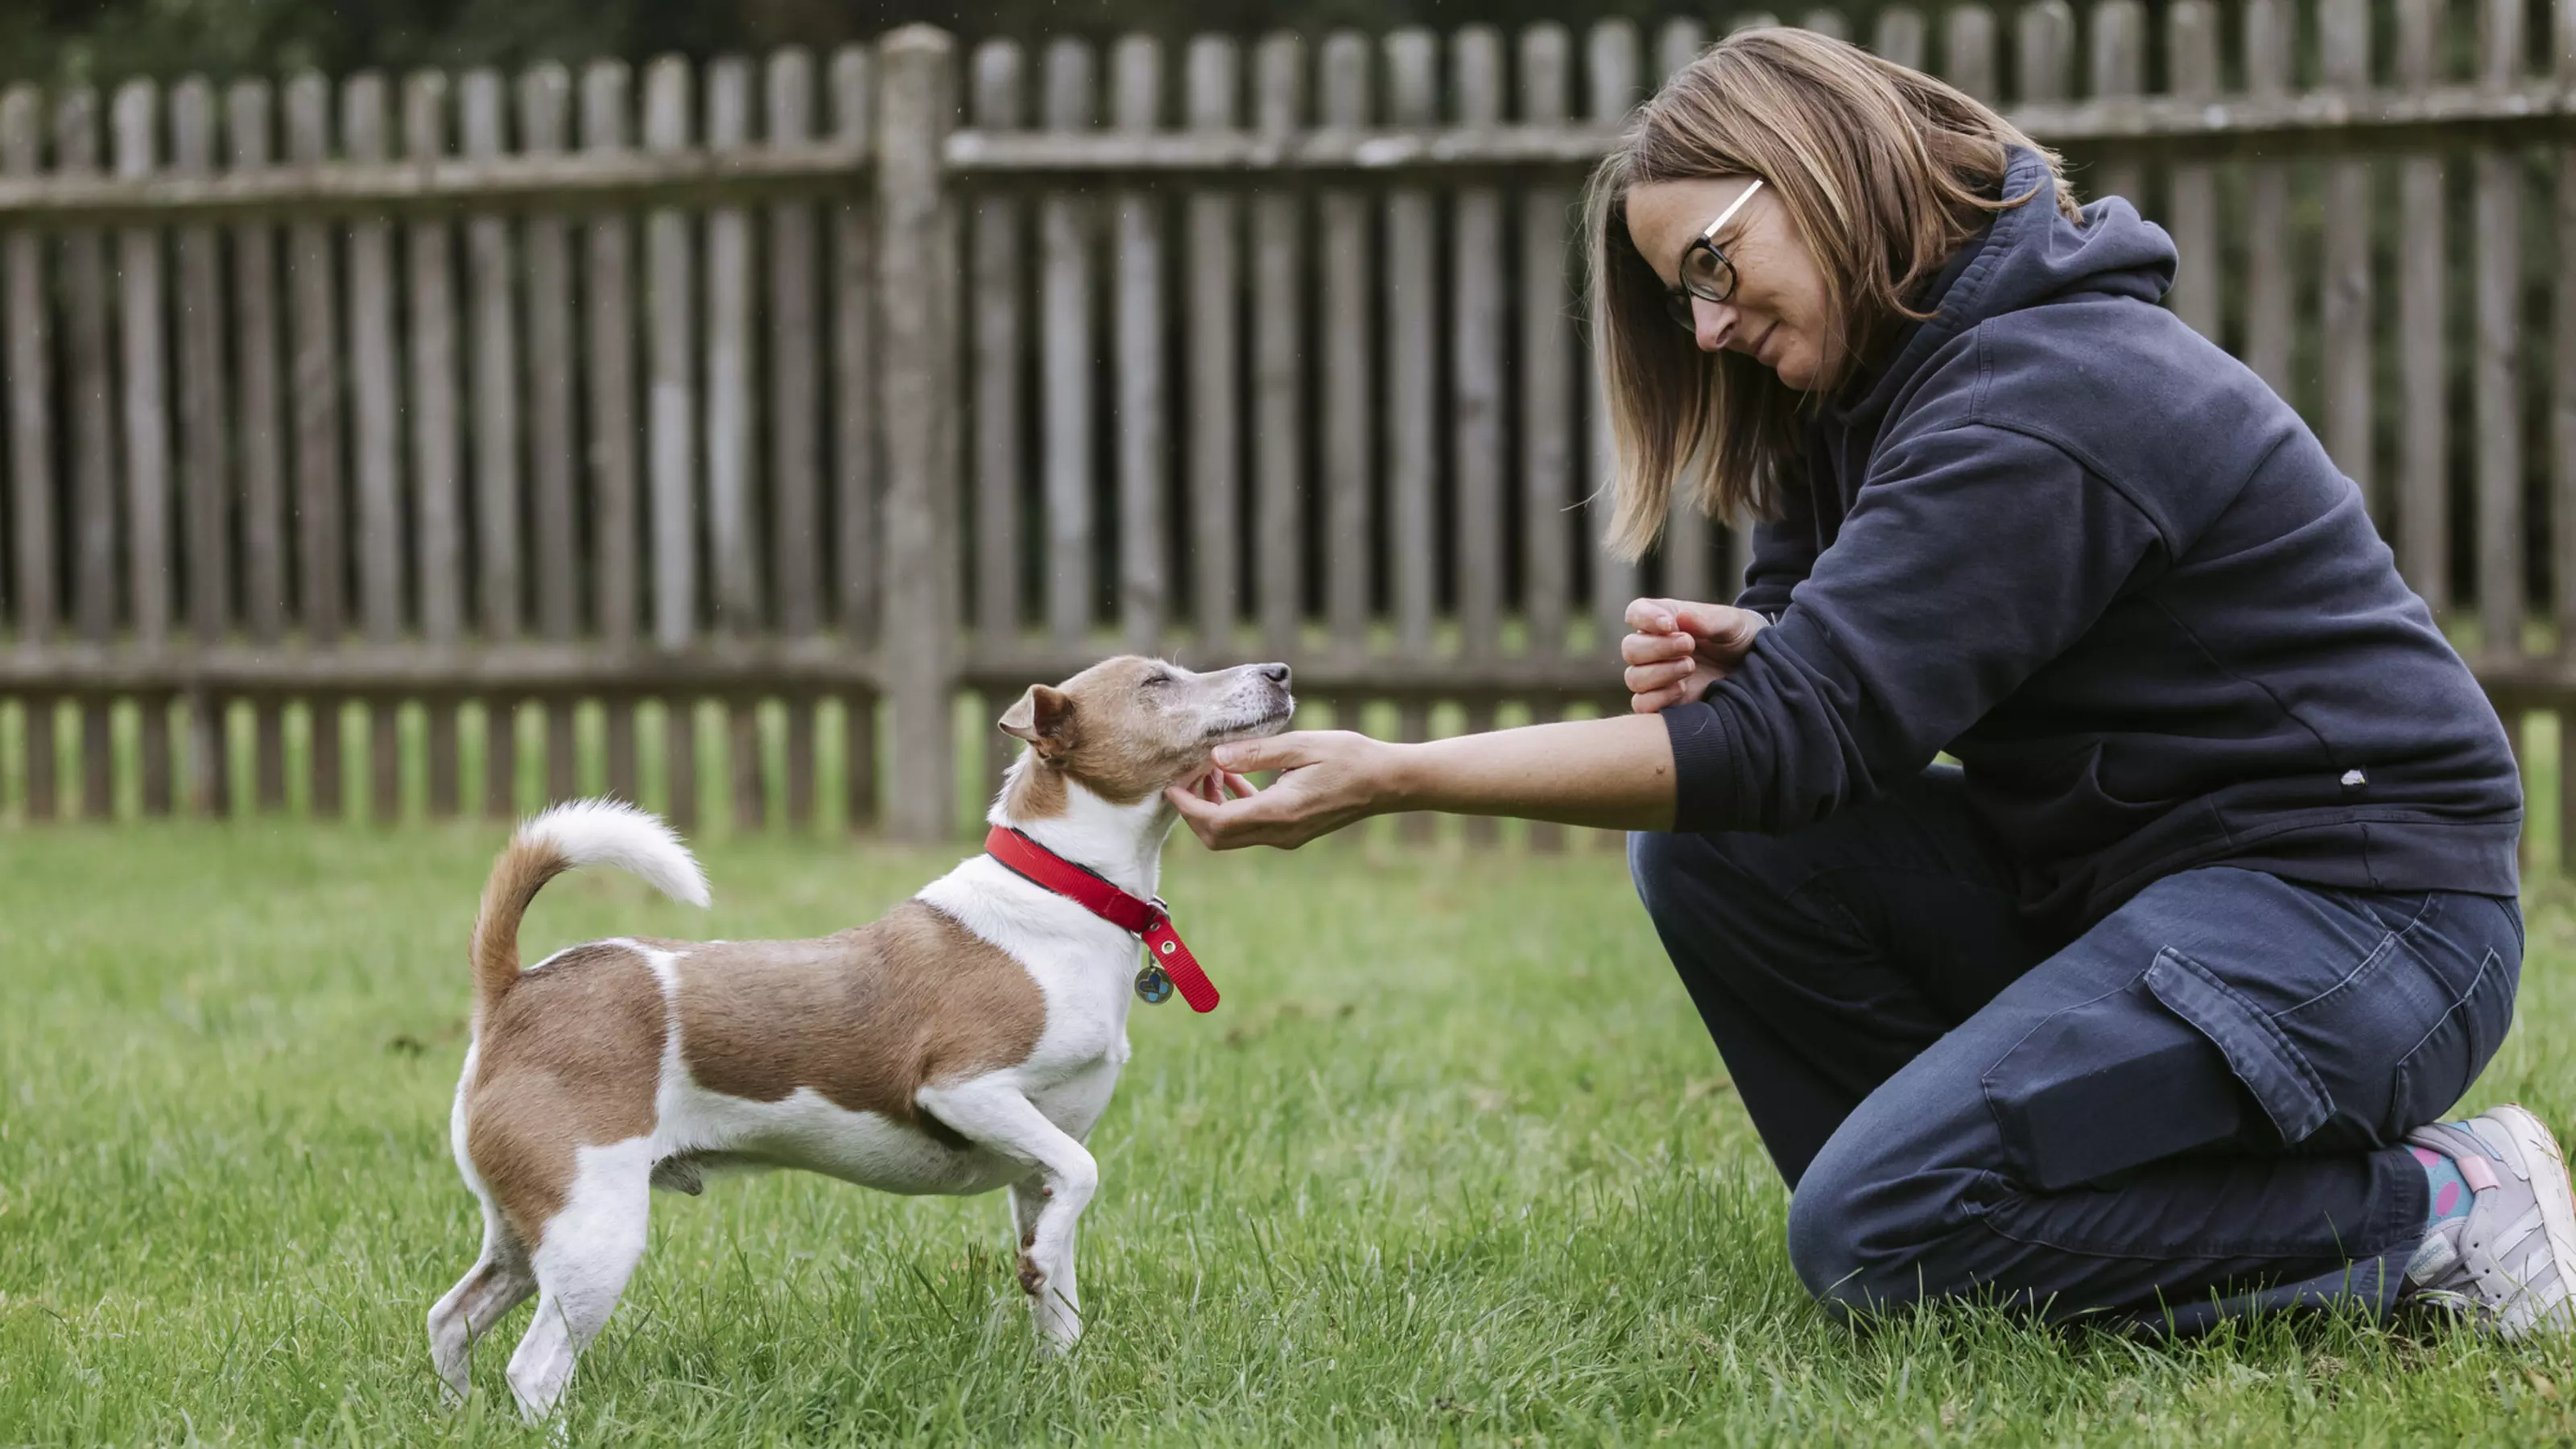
<point x="1611" y="63"/>
<point x="1968" y="44"/>
<point x="493" y="390"/>
<point x="93" y="438"/>
<point x="2191" y="47"/>
<point x="377" y="419"/>
<point x="2562" y="425"/>
<point x="259" y="430"/>
<point x="1413" y="400"/>
<point x="999" y="259"/>
<point x="1899" y="36"/>
<point x="918" y="251"/>
<point x="680" y="758"/>
<point x="31" y="392"/>
<point x="671" y="411"/>
<point x="855" y="439"/>
<point x="732" y="540"/>
<point x="2344" y="26"/>
<point x="1476" y="352"/>
<point x="2119" y="65"/>
<point x="2269" y="38"/>
<point x="544" y="106"/>
<point x="1068" y="357"/>
<point x="1348" y="380"/>
<point x="1144" y="429"/>
<point x="1214" y="357"/>
<point x="438" y="505"/>
<point x="314" y="382"/>
<point x="2045" y="42"/>
<point x="794" y="394"/>
<point x="2497" y="372"/>
<point x="1279" y="358"/>
<point x="608" y="300"/>
<point x="1546" y="396"/>
<point x="2423" y="422"/>
<point x="859" y="758"/>
<point x="144" y="352"/>
<point x="205" y="443"/>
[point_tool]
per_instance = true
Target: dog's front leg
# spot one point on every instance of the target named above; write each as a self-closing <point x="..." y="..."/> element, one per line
<point x="1045" y="1206"/>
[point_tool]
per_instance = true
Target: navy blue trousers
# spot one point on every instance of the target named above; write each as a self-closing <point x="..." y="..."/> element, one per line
<point x="2189" y="1111"/>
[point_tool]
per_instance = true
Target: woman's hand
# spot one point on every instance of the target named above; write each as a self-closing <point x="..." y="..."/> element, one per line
<point x="1678" y="649"/>
<point x="1328" y="778"/>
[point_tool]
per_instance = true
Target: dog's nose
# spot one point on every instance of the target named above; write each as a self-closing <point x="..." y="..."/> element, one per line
<point x="1275" y="673"/>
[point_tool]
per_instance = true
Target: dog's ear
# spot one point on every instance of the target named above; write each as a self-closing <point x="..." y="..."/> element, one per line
<point x="1043" y="717"/>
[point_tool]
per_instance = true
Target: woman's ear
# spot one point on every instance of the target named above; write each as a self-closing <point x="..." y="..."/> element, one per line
<point x="1043" y="717"/>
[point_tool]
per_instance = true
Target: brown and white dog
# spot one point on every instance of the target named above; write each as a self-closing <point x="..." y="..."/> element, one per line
<point x="967" y="1040"/>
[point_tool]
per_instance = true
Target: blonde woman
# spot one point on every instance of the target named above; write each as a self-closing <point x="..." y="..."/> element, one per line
<point x="2145" y="1010"/>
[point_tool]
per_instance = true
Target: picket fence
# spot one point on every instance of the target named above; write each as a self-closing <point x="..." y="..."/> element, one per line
<point x="711" y="439"/>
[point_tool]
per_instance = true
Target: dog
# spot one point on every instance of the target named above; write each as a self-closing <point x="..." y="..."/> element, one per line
<point x="967" y="1040"/>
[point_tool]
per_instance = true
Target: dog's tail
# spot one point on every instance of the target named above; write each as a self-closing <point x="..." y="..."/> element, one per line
<point x="577" y="833"/>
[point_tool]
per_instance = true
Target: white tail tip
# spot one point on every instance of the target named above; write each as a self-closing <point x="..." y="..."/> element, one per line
<point x="612" y="832"/>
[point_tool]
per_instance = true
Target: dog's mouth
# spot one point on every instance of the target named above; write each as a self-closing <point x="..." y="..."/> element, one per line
<point x="1269" y="722"/>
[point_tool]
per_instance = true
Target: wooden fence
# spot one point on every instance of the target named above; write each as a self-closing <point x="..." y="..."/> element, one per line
<point x="708" y="439"/>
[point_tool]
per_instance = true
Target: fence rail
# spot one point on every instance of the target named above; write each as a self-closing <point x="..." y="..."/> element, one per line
<point x="706" y="434"/>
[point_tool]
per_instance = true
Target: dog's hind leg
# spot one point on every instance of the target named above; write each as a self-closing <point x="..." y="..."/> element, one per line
<point x="588" y="1251"/>
<point x="1046" y="1205"/>
<point x="499" y="1281"/>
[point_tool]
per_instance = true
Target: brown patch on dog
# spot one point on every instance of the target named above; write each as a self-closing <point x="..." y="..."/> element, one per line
<point x="1031" y="1280"/>
<point x="1125" y="728"/>
<point x="570" y="1058"/>
<point x="521" y="870"/>
<point x="866" y="1018"/>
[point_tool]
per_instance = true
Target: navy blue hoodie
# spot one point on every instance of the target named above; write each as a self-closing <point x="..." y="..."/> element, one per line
<point x="2070" y="541"/>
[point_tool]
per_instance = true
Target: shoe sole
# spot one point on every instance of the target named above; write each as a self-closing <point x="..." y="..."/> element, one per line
<point x="2548" y="1167"/>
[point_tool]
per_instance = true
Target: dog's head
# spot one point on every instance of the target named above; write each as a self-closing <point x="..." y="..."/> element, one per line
<point x="1127" y="727"/>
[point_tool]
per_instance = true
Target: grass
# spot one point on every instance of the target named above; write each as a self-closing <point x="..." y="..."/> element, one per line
<point x="1455" y="1162"/>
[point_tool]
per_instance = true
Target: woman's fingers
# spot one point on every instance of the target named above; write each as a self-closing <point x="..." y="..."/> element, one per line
<point x="1655" y="648"/>
<point x="1646" y="678"/>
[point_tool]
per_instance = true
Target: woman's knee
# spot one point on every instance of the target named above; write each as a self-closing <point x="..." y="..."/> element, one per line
<point x="1869" y="1234"/>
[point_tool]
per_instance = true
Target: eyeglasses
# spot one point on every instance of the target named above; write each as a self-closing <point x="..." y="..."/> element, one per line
<point x="1706" y="273"/>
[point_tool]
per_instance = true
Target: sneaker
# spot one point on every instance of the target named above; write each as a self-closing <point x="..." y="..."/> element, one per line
<point x="2510" y="1262"/>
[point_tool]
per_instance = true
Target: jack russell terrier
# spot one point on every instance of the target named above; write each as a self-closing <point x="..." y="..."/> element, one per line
<point x="967" y="1040"/>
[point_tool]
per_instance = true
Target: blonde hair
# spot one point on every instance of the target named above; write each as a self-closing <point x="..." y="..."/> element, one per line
<point x="1885" y="172"/>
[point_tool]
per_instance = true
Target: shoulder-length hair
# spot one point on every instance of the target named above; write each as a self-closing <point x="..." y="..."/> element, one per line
<point x="1885" y="172"/>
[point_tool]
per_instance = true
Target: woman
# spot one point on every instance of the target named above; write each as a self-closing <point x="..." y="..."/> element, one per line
<point x="2141" y="1010"/>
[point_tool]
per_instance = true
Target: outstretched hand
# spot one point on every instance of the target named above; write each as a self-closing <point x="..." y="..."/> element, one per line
<point x="1328" y="779"/>
<point x="1677" y="649"/>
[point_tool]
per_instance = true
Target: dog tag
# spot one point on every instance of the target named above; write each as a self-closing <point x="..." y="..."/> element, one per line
<point x="1153" y="985"/>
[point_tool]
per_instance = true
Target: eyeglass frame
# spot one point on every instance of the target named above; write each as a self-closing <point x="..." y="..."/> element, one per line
<point x="1677" y="299"/>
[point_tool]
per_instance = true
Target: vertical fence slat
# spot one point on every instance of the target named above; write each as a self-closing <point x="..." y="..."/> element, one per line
<point x="608" y="295"/>
<point x="670" y="260"/>
<point x="93" y="440"/>
<point x="1476" y="323"/>
<point x="999" y="259"/>
<point x="260" y="431"/>
<point x="2344" y="27"/>
<point x="313" y="320"/>
<point x="31" y="435"/>
<point x="918" y="218"/>
<point x="2562" y="423"/>
<point x="144" y="353"/>
<point x="544" y="104"/>
<point x="1412" y="360"/>
<point x="438" y="521"/>
<point x="1279" y="382"/>
<point x="1968" y="35"/>
<point x="1348" y="384"/>
<point x="1899" y="36"/>
<point x="2498" y="365"/>
<point x="732" y="543"/>
<point x="1066" y="225"/>
<point x="1827" y="22"/>
<point x="2269" y="38"/>
<point x="2423" y="441"/>
<point x="1686" y="540"/>
<point x="2119" y="63"/>
<point x="1215" y="362"/>
<point x="2045" y="59"/>
<point x="2191" y="44"/>
<point x="493" y="392"/>
<point x="1545" y="402"/>
<point x="1144" y="431"/>
<point x="205" y="445"/>
<point x="854" y="419"/>
<point x="795" y="412"/>
<point x="1611" y="63"/>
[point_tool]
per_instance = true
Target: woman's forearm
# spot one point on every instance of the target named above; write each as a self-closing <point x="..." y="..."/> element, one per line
<point x="1614" y="774"/>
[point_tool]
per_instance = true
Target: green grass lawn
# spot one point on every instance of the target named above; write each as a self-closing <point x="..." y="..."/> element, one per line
<point x="1454" y="1161"/>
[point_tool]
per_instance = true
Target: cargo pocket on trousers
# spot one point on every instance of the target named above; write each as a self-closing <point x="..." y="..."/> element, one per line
<point x="2265" y="1060"/>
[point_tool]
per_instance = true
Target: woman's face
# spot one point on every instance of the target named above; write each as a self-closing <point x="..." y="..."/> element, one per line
<point x="1777" y="313"/>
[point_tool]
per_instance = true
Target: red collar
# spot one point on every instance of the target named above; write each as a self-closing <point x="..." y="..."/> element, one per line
<point x="1149" y="919"/>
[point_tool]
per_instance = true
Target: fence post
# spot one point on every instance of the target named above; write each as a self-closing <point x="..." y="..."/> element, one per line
<point x="919" y="256"/>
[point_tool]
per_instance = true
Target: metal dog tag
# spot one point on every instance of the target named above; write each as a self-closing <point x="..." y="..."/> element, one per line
<point x="1153" y="985"/>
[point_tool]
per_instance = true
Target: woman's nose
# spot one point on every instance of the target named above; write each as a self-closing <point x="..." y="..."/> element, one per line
<point x="1716" y="324"/>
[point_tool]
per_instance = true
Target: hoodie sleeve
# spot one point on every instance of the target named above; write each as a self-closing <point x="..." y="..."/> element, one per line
<point x="1973" y="556"/>
<point x="1784" y="553"/>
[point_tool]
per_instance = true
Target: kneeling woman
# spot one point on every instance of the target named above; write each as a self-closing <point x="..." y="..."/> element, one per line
<point x="2145" y="1009"/>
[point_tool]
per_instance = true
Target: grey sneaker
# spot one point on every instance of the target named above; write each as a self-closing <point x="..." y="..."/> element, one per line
<point x="2511" y="1262"/>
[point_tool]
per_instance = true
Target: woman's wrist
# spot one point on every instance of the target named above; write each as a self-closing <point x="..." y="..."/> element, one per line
<point x="1396" y="778"/>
